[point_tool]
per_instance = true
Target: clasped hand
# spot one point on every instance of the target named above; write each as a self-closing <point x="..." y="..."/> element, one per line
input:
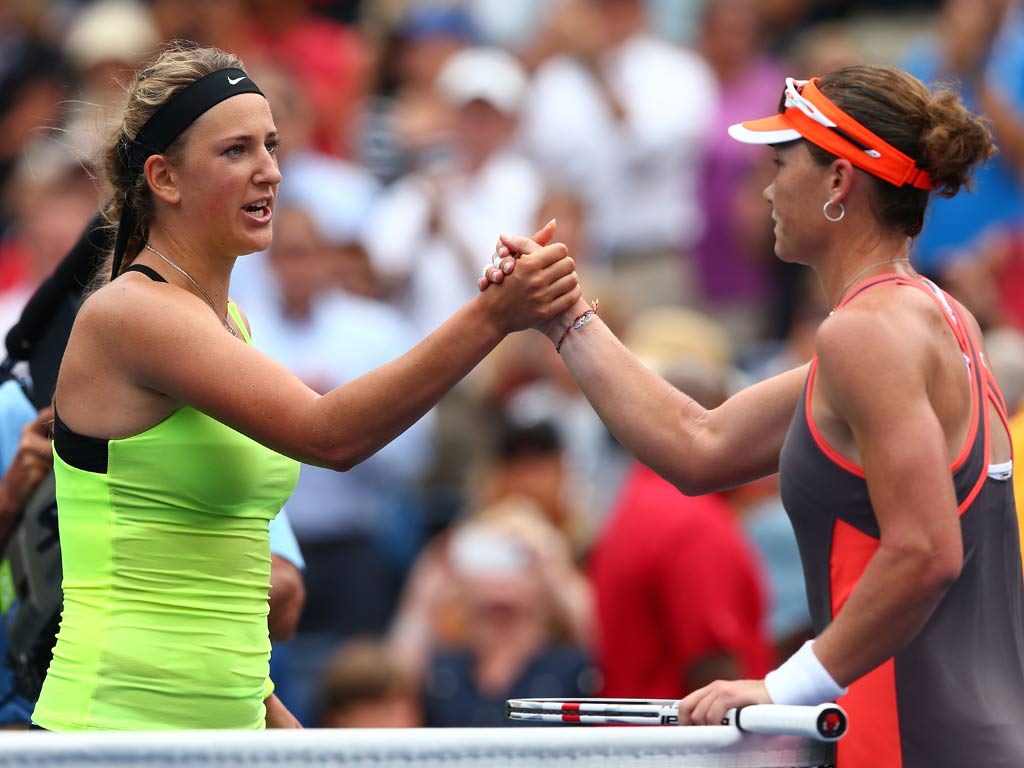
<point x="545" y="285"/>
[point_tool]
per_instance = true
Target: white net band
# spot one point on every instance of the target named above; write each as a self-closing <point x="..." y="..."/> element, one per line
<point x="551" y="747"/>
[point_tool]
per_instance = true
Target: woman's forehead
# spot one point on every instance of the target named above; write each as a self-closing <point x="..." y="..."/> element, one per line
<point x="245" y="114"/>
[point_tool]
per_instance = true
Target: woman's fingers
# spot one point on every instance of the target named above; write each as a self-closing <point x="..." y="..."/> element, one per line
<point x="520" y="245"/>
<point x="504" y="259"/>
<point x="569" y="292"/>
<point x="708" y="705"/>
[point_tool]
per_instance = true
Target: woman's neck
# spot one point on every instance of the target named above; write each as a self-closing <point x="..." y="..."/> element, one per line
<point x="211" y="272"/>
<point x="854" y="264"/>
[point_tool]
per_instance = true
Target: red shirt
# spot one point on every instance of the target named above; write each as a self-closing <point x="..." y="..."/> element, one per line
<point x="675" y="581"/>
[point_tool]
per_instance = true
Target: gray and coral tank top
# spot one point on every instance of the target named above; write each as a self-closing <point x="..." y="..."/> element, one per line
<point x="954" y="696"/>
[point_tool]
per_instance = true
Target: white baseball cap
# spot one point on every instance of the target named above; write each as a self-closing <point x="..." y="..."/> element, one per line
<point x="483" y="73"/>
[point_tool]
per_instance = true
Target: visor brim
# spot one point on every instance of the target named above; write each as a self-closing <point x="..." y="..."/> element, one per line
<point x="767" y="130"/>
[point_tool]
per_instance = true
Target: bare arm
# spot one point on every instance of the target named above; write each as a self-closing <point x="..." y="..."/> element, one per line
<point x="1007" y="124"/>
<point x="874" y="375"/>
<point x="169" y="346"/>
<point x="873" y="387"/>
<point x="278" y="715"/>
<point x="32" y="462"/>
<point x="287" y="596"/>
<point x="696" y="449"/>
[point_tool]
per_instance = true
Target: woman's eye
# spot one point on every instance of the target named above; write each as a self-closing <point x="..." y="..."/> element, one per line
<point x="235" y="151"/>
<point x="272" y="146"/>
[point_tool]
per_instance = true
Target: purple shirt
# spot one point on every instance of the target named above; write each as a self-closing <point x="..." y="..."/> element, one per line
<point x="726" y="270"/>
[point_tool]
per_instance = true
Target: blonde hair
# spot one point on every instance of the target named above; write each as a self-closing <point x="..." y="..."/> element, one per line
<point x="177" y="66"/>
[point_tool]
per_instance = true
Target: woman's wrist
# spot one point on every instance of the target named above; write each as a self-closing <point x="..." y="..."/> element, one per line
<point x="487" y="322"/>
<point x="802" y="680"/>
<point x="555" y="328"/>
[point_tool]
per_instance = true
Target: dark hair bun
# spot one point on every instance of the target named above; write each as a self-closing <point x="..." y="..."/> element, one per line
<point x="954" y="144"/>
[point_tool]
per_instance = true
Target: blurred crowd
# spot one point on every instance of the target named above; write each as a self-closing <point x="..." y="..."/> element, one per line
<point x="506" y="546"/>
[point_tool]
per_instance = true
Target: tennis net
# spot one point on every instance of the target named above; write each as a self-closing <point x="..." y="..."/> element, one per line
<point x="550" y="747"/>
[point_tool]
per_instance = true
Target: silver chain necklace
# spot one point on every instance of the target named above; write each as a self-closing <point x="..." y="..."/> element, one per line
<point x="222" y="315"/>
<point x="861" y="272"/>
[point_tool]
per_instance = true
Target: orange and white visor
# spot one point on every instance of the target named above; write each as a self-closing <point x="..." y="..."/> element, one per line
<point x="805" y="113"/>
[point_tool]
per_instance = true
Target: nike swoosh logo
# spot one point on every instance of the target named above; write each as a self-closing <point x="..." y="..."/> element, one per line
<point x="236" y="81"/>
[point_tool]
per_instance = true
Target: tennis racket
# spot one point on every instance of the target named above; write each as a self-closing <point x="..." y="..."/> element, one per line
<point x="825" y="722"/>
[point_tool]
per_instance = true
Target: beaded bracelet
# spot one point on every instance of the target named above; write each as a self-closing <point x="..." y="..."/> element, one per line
<point x="578" y="323"/>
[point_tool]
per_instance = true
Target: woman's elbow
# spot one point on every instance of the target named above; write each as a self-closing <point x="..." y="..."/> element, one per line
<point x="693" y="477"/>
<point x="339" y="455"/>
<point x="946" y="567"/>
<point x="692" y="486"/>
<point x="938" y="566"/>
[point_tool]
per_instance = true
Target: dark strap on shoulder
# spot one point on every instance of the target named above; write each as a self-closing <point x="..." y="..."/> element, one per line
<point x="149" y="272"/>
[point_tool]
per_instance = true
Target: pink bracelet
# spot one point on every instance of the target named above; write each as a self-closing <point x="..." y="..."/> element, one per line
<point x="578" y="323"/>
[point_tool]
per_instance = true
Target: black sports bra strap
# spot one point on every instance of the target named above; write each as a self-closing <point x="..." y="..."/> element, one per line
<point x="81" y="451"/>
<point x="149" y="272"/>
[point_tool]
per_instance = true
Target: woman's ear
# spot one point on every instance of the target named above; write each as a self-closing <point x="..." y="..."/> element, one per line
<point x="162" y="178"/>
<point x="841" y="179"/>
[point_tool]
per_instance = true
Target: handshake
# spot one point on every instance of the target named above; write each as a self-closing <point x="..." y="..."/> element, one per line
<point x="545" y="292"/>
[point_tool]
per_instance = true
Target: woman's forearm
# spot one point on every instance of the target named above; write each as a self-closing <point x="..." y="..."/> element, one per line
<point x="696" y="449"/>
<point x="893" y="600"/>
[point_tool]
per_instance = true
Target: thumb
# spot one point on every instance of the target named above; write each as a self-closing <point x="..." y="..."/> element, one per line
<point x="544" y="235"/>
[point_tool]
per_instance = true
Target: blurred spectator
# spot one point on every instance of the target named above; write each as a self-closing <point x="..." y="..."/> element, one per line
<point x="767" y="527"/>
<point x="823" y="48"/>
<point x="357" y="528"/>
<point x="678" y="589"/>
<point x="33" y="82"/>
<point x="736" y="282"/>
<point x="509" y="25"/>
<point x="404" y="125"/>
<point x="52" y="199"/>
<point x="609" y="114"/>
<point x="365" y="687"/>
<point x="525" y="378"/>
<point x="105" y="43"/>
<point x="219" y="23"/>
<point x="527" y="460"/>
<point x="432" y="230"/>
<point x="492" y="611"/>
<point x="330" y="61"/>
<point x="1005" y="354"/>
<point x="337" y="193"/>
<point x="989" y="278"/>
<point x="978" y="47"/>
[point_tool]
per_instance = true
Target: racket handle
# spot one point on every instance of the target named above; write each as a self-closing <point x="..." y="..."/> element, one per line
<point x="825" y="722"/>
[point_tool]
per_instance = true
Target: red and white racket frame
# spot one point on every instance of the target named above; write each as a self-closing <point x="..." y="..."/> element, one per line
<point x="824" y="722"/>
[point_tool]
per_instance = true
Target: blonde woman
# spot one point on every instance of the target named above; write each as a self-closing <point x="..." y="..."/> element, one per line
<point x="176" y="441"/>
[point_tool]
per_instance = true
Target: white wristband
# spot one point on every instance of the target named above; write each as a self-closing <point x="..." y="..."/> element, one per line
<point x="802" y="680"/>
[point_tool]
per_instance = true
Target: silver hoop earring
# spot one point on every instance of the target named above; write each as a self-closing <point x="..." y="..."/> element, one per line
<point x="842" y="211"/>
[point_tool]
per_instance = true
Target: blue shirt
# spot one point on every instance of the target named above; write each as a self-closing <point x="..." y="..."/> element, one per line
<point x="997" y="200"/>
<point x="15" y="412"/>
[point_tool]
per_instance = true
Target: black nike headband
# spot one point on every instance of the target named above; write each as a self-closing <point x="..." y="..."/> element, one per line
<point x="167" y="124"/>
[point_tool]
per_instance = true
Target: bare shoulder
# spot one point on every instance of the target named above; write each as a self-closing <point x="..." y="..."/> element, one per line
<point x="890" y="325"/>
<point x="143" y="315"/>
<point x="880" y="347"/>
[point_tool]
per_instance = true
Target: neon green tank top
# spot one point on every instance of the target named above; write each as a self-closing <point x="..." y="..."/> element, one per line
<point x="166" y="561"/>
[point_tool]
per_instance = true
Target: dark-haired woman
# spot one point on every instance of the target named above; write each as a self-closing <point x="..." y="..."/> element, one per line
<point x="176" y="441"/>
<point x="891" y="444"/>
